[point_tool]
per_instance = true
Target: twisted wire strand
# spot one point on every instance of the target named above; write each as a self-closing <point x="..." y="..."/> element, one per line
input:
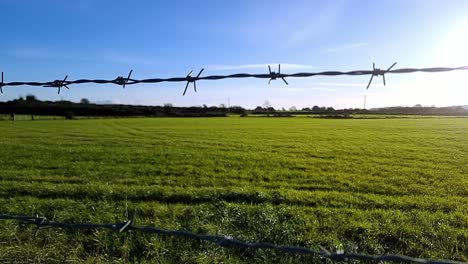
<point x="130" y="81"/>
<point x="43" y="223"/>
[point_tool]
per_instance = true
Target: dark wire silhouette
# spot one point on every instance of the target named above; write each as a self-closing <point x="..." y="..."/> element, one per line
<point x="271" y="75"/>
<point x="43" y="223"/>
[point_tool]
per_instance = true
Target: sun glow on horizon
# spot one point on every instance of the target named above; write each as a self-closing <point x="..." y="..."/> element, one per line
<point x="453" y="46"/>
<point x="441" y="89"/>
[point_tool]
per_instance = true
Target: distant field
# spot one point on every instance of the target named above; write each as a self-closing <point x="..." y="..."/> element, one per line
<point x="366" y="185"/>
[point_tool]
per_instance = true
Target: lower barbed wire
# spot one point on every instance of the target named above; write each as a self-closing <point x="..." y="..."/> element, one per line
<point x="223" y="241"/>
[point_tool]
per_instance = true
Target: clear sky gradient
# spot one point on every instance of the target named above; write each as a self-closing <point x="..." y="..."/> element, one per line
<point x="46" y="40"/>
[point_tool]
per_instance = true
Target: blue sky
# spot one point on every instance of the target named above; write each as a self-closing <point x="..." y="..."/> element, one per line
<point x="46" y="40"/>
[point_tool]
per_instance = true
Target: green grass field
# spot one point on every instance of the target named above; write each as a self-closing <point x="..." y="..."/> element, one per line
<point x="370" y="186"/>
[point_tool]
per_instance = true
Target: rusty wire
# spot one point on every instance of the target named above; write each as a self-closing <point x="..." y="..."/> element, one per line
<point x="271" y="75"/>
<point x="223" y="241"/>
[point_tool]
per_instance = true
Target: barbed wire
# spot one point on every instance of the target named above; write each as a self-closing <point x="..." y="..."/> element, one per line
<point x="271" y="75"/>
<point x="223" y="241"/>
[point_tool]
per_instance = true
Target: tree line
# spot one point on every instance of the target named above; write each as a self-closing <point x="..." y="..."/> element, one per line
<point x="32" y="106"/>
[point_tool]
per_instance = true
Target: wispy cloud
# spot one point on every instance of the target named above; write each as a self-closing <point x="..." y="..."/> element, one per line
<point x="127" y="59"/>
<point x="49" y="53"/>
<point x="323" y="89"/>
<point x="264" y="66"/>
<point x="345" y="47"/>
<point x="367" y="93"/>
<point x="339" y="84"/>
<point x="315" y="24"/>
<point x="303" y="89"/>
<point x="44" y="53"/>
<point x="293" y="89"/>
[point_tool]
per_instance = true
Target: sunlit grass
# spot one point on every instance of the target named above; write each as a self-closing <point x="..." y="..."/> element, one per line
<point x="374" y="186"/>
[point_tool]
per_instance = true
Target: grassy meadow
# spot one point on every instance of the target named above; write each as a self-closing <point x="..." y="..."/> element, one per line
<point x="367" y="185"/>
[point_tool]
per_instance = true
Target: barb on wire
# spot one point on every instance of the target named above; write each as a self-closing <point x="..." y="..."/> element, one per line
<point x="58" y="84"/>
<point x="1" y="85"/>
<point x="376" y="72"/>
<point x="193" y="80"/>
<point x="42" y="222"/>
<point x="123" y="81"/>
<point x="271" y="76"/>
<point x="274" y="75"/>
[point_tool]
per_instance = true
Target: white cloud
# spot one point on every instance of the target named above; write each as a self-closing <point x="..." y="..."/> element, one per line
<point x="338" y="84"/>
<point x="294" y="89"/>
<point x="345" y="47"/>
<point x="357" y="85"/>
<point x="315" y="26"/>
<point x="127" y="59"/>
<point x="284" y="66"/>
<point x="44" y="53"/>
<point x="323" y="89"/>
<point x="109" y="56"/>
<point x="303" y="89"/>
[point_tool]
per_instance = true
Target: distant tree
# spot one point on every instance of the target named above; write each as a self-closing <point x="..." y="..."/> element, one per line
<point x="167" y="109"/>
<point x="316" y="108"/>
<point x="205" y="106"/>
<point x="283" y="109"/>
<point x="271" y="110"/>
<point x="293" y="108"/>
<point x="222" y="106"/>
<point x="418" y="106"/>
<point x="258" y="108"/>
<point x="237" y="109"/>
<point x="330" y="109"/>
<point x="30" y="98"/>
<point x="306" y="109"/>
<point x="266" y="104"/>
<point x="84" y="101"/>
